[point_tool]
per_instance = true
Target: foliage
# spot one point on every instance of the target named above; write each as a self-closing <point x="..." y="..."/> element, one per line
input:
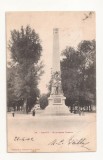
<point x="43" y="101"/>
<point x="78" y="71"/>
<point x="25" y="46"/>
<point x="10" y="86"/>
<point x="25" y="51"/>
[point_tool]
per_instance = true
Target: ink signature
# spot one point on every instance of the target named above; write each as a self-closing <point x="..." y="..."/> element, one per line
<point x="82" y="142"/>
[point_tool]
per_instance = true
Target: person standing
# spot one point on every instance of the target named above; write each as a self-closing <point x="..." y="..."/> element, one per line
<point x="13" y="113"/>
<point x="33" y="112"/>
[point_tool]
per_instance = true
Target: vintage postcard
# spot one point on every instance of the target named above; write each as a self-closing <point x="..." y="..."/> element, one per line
<point x="51" y="81"/>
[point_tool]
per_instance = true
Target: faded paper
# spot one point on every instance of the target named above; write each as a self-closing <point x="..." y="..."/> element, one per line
<point x="43" y="133"/>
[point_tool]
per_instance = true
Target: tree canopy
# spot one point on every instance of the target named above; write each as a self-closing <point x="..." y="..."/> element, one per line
<point x="23" y="77"/>
<point x="78" y="71"/>
<point x="25" y="46"/>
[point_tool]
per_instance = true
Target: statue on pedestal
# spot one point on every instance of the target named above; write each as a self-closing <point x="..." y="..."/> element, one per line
<point x="56" y="84"/>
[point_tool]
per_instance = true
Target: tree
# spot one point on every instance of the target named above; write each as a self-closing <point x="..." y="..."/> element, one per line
<point x="25" y="46"/>
<point x="69" y="74"/>
<point x="10" y="86"/>
<point x="26" y="49"/>
<point x="43" y="101"/>
<point x="78" y="71"/>
<point x="87" y="49"/>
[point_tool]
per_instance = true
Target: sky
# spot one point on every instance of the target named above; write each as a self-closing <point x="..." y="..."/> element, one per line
<point x="74" y="26"/>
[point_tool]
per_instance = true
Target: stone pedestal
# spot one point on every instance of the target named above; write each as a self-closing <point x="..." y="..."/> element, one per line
<point x="56" y="100"/>
<point x="56" y="106"/>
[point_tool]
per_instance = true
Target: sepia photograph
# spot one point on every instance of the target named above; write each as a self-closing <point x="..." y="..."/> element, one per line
<point x="51" y="81"/>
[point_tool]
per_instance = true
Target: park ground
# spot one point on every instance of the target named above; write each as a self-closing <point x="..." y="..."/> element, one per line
<point x="27" y="133"/>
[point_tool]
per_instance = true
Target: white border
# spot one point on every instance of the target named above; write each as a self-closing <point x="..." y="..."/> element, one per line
<point x="46" y="5"/>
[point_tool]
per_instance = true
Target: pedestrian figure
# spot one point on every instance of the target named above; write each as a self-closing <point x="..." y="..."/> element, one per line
<point x="33" y="113"/>
<point x="13" y="114"/>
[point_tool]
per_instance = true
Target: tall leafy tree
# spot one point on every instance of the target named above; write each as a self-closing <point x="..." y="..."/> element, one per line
<point x="69" y="72"/>
<point x="25" y="47"/>
<point x="87" y="49"/>
<point x="78" y="70"/>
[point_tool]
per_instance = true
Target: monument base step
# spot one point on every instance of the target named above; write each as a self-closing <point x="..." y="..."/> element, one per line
<point x="57" y="110"/>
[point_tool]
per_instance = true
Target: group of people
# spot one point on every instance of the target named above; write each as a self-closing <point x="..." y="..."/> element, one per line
<point x="77" y="109"/>
<point x="13" y="113"/>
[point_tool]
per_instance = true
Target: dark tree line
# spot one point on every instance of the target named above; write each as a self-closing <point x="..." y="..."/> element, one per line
<point x="25" y="69"/>
<point x="78" y="71"/>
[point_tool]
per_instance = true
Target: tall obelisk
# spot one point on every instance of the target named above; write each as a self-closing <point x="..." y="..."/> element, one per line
<point x="56" y="54"/>
<point x="56" y="100"/>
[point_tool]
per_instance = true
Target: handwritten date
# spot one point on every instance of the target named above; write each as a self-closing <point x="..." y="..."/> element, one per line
<point x="23" y="139"/>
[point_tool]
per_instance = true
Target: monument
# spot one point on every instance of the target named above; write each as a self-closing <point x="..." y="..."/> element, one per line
<point x="56" y="101"/>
